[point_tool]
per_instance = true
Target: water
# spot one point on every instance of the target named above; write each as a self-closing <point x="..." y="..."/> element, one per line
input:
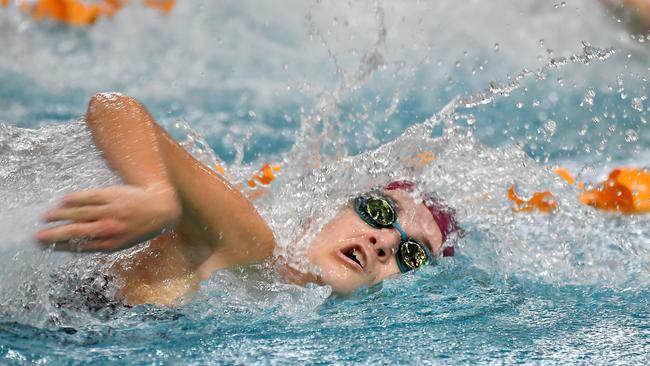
<point x="496" y="92"/>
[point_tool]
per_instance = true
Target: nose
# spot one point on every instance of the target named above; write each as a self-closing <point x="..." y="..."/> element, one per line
<point x="385" y="242"/>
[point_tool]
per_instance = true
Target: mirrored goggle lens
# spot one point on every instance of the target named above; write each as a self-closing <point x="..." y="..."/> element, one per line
<point x="380" y="210"/>
<point x="413" y="254"/>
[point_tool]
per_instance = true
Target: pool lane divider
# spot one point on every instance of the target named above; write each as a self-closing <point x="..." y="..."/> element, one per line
<point x="79" y="13"/>
<point x="626" y="190"/>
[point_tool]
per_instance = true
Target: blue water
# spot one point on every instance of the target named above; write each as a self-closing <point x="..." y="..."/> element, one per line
<point x="266" y="83"/>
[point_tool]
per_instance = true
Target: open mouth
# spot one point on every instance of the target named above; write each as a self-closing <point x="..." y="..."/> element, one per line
<point x="355" y="255"/>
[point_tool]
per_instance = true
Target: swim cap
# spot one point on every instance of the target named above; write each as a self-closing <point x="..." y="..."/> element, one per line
<point x="442" y="215"/>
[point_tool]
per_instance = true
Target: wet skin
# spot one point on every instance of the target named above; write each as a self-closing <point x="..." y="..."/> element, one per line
<point x="200" y="222"/>
<point x="375" y="248"/>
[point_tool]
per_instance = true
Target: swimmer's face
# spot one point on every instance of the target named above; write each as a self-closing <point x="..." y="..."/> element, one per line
<point x="347" y="235"/>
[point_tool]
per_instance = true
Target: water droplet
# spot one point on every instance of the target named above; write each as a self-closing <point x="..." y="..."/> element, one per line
<point x="623" y="95"/>
<point x="536" y="103"/>
<point x="563" y="4"/>
<point x="457" y="64"/>
<point x="589" y="97"/>
<point x="471" y="119"/>
<point x="541" y="43"/>
<point x="637" y="103"/>
<point x="496" y="47"/>
<point x="519" y="105"/>
<point x="550" y="126"/>
<point x="631" y="135"/>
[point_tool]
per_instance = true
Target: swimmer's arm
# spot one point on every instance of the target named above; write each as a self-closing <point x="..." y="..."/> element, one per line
<point x="214" y="216"/>
<point x="119" y="216"/>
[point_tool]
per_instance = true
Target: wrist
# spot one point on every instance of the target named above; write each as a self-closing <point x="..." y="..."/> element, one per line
<point x="167" y="201"/>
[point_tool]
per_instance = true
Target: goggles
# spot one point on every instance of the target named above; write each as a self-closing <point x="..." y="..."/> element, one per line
<point x="379" y="212"/>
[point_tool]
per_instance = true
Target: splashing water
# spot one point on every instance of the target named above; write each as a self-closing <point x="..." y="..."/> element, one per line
<point x="345" y="97"/>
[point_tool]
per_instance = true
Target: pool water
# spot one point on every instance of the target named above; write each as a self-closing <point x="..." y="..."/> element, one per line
<point x="343" y="96"/>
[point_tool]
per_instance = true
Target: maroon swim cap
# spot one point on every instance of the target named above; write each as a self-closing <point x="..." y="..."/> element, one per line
<point x="442" y="215"/>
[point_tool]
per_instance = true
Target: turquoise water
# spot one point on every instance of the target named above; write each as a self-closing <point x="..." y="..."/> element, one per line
<point x="311" y="82"/>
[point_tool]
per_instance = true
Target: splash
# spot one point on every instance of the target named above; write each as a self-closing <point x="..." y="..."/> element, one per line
<point x="500" y="88"/>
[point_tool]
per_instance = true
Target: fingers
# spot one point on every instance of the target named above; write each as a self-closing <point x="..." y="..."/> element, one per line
<point x="80" y="206"/>
<point x="92" y="197"/>
<point x="90" y="230"/>
<point x="81" y="213"/>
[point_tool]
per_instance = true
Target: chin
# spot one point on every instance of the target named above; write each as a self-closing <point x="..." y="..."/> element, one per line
<point x="340" y="283"/>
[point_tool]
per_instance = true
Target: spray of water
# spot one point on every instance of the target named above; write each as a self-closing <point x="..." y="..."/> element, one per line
<point x="575" y="245"/>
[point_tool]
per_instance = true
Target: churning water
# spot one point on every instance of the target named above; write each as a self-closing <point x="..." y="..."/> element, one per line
<point x="345" y="96"/>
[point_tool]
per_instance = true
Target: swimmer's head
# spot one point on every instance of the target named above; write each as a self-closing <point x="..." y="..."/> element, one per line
<point x="353" y="252"/>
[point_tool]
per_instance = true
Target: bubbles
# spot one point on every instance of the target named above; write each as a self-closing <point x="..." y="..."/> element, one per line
<point x="631" y="135"/>
<point x="637" y="103"/>
<point x="550" y="126"/>
<point x="588" y="98"/>
<point x="495" y="48"/>
<point x="583" y="131"/>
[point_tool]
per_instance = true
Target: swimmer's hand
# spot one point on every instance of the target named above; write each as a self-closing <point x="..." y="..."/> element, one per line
<point x="110" y="219"/>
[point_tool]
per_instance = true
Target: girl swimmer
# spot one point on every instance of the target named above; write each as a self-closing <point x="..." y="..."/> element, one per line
<point x="197" y="222"/>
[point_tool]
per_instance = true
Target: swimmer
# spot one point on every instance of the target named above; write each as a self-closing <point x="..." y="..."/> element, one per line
<point x="197" y="222"/>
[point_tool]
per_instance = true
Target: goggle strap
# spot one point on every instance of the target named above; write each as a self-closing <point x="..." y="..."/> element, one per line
<point x="401" y="231"/>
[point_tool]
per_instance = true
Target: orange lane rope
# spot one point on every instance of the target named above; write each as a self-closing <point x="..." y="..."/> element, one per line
<point x="78" y="13"/>
<point x="626" y="190"/>
<point x="163" y="5"/>
<point x="540" y="201"/>
<point x="264" y="176"/>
